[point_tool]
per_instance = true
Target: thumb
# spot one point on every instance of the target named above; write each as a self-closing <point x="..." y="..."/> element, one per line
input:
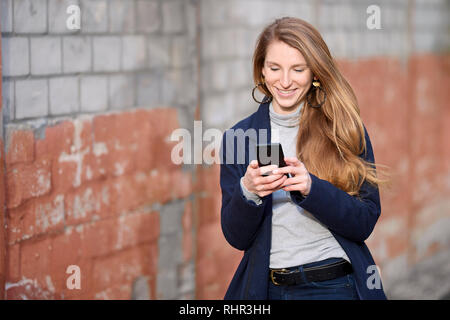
<point x="254" y="164"/>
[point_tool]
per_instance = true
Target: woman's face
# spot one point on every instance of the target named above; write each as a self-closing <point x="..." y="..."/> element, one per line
<point x="287" y="76"/>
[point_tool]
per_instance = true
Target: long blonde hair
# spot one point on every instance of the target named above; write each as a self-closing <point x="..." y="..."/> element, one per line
<point x="330" y="139"/>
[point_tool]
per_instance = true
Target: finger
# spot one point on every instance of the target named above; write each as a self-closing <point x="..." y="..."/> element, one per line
<point x="293" y="161"/>
<point x="273" y="183"/>
<point x="268" y="168"/>
<point x="292" y="181"/>
<point x="287" y="169"/>
<point x="253" y="169"/>
<point x="290" y="188"/>
<point x="271" y="178"/>
<point x="254" y="164"/>
<point x="277" y="183"/>
<point x="294" y="187"/>
<point x="281" y="170"/>
<point x="270" y="188"/>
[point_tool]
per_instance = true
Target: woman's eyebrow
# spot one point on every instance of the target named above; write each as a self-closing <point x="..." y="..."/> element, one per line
<point x="295" y="65"/>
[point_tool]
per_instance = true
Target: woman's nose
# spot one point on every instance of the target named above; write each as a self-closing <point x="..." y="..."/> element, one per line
<point x="285" y="80"/>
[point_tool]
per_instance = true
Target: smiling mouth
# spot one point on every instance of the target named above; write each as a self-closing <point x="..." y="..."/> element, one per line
<point x="285" y="93"/>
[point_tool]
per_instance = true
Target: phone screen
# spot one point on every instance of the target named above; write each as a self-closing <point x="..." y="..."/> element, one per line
<point x="268" y="154"/>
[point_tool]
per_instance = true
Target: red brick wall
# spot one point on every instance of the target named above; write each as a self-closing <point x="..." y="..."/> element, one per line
<point x="83" y="195"/>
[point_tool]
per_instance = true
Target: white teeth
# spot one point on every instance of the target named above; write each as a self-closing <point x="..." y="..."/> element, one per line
<point x="285" y="91"/>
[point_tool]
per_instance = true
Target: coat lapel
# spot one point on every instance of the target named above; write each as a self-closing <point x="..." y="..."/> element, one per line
<point x="262" y="122"/>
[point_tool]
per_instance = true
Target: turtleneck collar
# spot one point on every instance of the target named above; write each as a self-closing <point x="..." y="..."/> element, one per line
<point x="285" y="120"/>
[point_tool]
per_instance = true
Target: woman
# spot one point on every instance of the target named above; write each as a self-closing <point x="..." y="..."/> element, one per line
<point x="303" y="235"/>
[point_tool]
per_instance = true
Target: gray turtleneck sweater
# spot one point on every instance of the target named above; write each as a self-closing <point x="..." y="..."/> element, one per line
<point x="297" y="237"/>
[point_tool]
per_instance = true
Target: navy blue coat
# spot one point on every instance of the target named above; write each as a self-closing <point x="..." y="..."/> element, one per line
<point x="247" y="226"/>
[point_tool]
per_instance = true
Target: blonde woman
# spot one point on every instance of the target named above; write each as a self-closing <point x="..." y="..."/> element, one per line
<point x="303" y="234"/>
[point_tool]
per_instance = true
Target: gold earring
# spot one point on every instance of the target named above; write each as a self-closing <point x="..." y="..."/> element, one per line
<point x="316" y="85"/>
<point x="265" y="99"/>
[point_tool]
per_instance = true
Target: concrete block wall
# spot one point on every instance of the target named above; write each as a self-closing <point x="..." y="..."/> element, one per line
<point x="86" y="115"/>
<point x="115" y="53"/>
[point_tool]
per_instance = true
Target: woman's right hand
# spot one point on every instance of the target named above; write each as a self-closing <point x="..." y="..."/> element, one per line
<point x="262" y="185"/>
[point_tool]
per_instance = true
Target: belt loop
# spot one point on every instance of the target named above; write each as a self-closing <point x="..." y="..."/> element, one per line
<point x="302" y="273"/>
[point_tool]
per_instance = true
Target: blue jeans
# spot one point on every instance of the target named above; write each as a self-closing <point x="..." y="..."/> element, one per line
<point x="342" y="288"/>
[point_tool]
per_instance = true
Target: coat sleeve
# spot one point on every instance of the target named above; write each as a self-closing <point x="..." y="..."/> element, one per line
<point x="353" y="217"/>
<point x="240" y="218"/>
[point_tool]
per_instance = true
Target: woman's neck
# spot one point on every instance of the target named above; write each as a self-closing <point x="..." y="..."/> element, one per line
<point x="285" y="110"/>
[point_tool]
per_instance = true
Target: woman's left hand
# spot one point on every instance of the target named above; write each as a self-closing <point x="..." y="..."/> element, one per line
<point x="300" y="181"/>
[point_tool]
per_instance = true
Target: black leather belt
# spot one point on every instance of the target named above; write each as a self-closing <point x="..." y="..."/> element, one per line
<point x="312" y="274"/>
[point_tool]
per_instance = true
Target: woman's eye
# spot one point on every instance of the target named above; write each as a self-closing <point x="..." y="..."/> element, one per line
<point x="299" y="70"/>
<point x="274" y="69"/>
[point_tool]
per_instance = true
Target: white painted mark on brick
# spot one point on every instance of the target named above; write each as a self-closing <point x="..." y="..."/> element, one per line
<point x="88" y="173"/>
<point x="49" y="283"/>
<point x="31" y="287"/>
<point x="105" y="195"/>
<point x="76" y="155"/>
<point x="50" y="214"/>
<point x="99" y="148"/>
<point x="119" y="169"/>
<point x="43" y="183"/>
<point x="20" y="283"/>
<point x="84" y="203"/>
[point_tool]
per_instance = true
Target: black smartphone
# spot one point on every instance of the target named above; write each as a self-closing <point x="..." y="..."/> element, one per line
<point x="268" y="154"/>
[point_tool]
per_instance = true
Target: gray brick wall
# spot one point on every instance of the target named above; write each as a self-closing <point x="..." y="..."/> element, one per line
<point x="134" y="55"/>
<point x="431" y="23"/>
<point x="122" y="16"/>
<point x="107" y="53"/>
<point x="6" y="15"/>
<point x="170" y="252"/>
<point x="30" y="16"/>
<point x="94" y="93"/>
<point x="121" y="91"/>
<point x="148" y="17"/>
<point x="45" y="55"/>
<point x="63" y="95"/>
<point x="31" y="98"/>
<point x="16" y="54"/>
<point x="139" y="51"/>
<point x="94" y="17"/>
<point x="77" y="54"/>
